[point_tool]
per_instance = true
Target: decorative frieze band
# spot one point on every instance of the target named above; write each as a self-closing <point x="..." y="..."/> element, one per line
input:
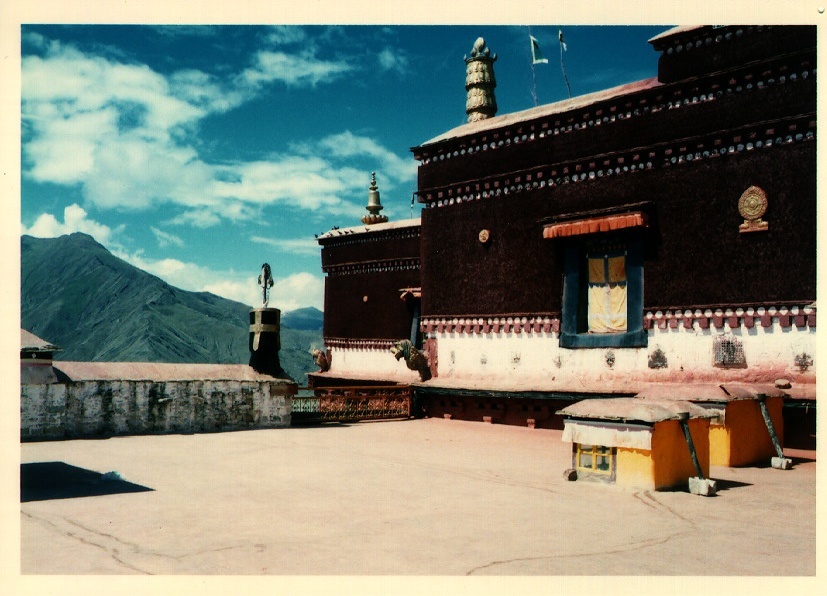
<point x="351" y="236"/>
<point x="359" y="344"/>
<point x="800" y="316"/>
<point x="400" y="264"/>
<point x="747" y="139"/>
<point x="506" y="324"/>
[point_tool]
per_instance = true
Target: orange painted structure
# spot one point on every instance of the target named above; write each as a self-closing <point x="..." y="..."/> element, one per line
<point x="636" y="443"/>
<point x="738" y="433"/>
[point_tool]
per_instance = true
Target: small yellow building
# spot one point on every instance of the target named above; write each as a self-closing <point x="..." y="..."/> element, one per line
<point x="637" y="443"/>
<point x="739" y="433"/>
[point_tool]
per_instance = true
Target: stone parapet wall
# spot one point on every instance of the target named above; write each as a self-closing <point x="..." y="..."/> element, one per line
<point x="86" y="409"/>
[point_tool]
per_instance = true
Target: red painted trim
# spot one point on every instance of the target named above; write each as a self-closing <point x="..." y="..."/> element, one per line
<point x="594" y="225"/>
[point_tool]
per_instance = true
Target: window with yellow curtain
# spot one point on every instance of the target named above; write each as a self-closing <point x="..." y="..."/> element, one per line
<point x="607" y="292"/>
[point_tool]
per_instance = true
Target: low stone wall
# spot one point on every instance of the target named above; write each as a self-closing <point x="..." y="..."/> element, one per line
<point x="85" y="409"/>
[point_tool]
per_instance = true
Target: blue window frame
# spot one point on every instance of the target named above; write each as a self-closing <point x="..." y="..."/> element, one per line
<point x="614" y="251"/>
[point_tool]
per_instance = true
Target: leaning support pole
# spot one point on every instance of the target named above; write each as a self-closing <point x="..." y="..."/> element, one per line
<point x="780" y="462"/>
<point x="688" y="437"/>
<point x="698" y="485"/>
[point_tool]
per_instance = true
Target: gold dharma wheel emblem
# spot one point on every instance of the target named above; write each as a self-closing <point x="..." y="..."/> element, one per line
<point x="752" y="205"/>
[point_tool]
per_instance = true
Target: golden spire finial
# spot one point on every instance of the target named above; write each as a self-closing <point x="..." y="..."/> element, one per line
<point x="374" y="204"/>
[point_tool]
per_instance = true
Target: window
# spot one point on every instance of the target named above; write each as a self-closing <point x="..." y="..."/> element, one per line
<point x="603" y="280"/>
<point x="594" y="459"/>
<point x="603" y="292"/>
<point x="607" y="292"/>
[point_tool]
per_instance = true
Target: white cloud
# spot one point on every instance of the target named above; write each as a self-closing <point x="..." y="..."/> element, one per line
<point x="294" y="246"/>
<point x="293" y="70"/>
<point x="74" y="220"/>
<point x="122" y="133"/>
<point x="64" y="147"/>
<point x="165" y="238"/>
<point x="297" y="291"/>
<point x="200" y="218"/>
<point x="308" y="183"/>
<point x="132" y="173"/>
<point x="347" y="145"/>
<point x="286" y="35"/>
<point x="389" y="60"/>
<point x="204" y="90"/>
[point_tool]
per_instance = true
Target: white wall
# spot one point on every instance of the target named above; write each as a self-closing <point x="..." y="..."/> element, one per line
<point x="536" y="358"/>
<point x="370" y="363"/>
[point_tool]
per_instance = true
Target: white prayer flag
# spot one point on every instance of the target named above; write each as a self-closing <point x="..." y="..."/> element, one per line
<point x="536" y="55"/>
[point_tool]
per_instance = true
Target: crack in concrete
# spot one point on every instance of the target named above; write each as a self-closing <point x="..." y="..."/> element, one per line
<point x="661" y="505"/>
<point x="112" y="553"/>
<point x="215" y="550"/>
<point x="629" y="548"/>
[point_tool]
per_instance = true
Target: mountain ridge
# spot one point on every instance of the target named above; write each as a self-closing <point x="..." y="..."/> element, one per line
<point x="98" y="307"/>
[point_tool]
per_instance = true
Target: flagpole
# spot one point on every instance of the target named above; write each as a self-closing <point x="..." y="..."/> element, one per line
<point x="562" y="66"/>
<point x="533" y="75"/>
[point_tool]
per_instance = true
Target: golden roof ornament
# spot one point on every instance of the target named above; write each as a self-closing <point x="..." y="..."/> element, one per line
<point x="374" y="205"/>
<point x="480" y="101"/>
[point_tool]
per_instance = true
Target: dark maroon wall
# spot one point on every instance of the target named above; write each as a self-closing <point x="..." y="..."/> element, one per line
<point x="728" y="48"/>
<point x="695" y="254"/>
<point x="383" y="316"/>
<point x="514" y="272"/>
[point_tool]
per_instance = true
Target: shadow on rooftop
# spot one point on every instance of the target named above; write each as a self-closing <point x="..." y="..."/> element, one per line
<point x="724" y="484"/>
<point x="43" y="481"/>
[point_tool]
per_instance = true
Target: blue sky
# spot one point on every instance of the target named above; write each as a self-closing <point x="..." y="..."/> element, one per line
<point x="199" y="152"/>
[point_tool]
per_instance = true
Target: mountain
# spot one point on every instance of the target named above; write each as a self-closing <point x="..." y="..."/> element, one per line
<point x="307" y="319"/>
<point x="97" y="307"/>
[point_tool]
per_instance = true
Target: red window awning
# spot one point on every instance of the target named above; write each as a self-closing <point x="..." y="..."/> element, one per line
<point x="593" y="225"/>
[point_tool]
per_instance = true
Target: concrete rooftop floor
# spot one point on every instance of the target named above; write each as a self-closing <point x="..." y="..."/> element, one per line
<point x="421" y="497"/>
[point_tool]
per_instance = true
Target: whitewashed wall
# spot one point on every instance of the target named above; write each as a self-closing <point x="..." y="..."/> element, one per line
<point x="535" y="358"/>
<point x="370" y="363"/>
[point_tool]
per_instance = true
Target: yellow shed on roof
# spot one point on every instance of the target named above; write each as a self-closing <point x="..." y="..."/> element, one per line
<point x="636" y="443"/>
<point x="740" y="434"/>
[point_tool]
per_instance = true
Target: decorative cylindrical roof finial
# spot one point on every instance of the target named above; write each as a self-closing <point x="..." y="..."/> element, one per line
<point x="480" y="82"/>
<point x="374" y="205"/>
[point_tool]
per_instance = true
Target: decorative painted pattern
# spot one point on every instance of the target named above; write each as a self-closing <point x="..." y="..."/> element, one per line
<point x="506" y="324"/>
<point x="350" y="236"/>
<point x="751" y="138"/>
<point x="800" y="316"/>
<point x="382" y="266"/>
<point x="359" y="344"/>
<point x="679" y="43"/>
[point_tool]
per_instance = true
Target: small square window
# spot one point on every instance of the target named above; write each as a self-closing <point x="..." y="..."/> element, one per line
<point x="594" y="459"/>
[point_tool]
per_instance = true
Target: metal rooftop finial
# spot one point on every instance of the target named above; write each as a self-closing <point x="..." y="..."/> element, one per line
<point x="265" y="280"/>
<point x="480" y="82"/>
<point x="374" y="204"/>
